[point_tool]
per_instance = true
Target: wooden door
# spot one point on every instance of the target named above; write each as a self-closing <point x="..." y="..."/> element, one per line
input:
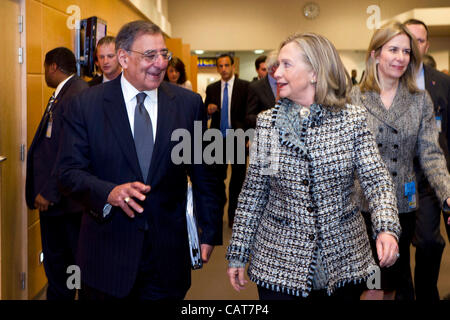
<point x="13" y="222"/>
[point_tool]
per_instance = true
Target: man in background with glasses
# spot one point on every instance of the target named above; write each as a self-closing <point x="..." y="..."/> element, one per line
<point x="117" y="157"/>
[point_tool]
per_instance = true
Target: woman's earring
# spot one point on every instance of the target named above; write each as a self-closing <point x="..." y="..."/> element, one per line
<point x="313" y="81"/>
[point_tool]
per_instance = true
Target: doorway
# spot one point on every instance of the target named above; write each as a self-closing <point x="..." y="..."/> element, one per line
<point x="13" y="220"/>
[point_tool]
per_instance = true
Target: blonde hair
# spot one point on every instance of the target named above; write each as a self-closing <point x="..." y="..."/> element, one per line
<point x="370" y="81"/>
<point x="333" y="81"/>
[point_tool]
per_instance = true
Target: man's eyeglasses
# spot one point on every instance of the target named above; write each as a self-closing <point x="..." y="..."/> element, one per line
<point x="152" y="55"/>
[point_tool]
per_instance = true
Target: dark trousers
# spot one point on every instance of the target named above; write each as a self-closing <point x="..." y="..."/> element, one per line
<point x="429" y="248"/>
<point x="238" y="172"/>
<point x="348" y="292"/>
<point x="147" y="285"/>
<point x="59" y="236"/>
<point x="397" y="277"/>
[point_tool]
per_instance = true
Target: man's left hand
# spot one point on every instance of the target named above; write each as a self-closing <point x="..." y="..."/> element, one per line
<point x="206" y="251"/>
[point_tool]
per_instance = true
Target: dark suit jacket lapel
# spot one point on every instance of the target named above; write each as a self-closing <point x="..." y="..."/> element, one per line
<point x="40" y="130"/>
<point x="216" y="93"/>
<point x="115" y="110"/>
<point x="63" y="90"/>
<point x="430" y="83"/>
<point x="268" y="91"/>
<point x="234" y="95"/>
<point x="164" y="131"/>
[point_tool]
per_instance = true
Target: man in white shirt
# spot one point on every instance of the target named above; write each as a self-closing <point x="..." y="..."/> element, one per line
<point x="226" y="103"/>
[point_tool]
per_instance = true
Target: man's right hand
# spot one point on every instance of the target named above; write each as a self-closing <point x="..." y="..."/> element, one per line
<point x="212" y="108"/>
<point x="123" y="196"/>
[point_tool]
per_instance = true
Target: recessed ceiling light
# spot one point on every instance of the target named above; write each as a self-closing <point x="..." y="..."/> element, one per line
<point x="199" y="51"/>
<point x="258" y="51"/>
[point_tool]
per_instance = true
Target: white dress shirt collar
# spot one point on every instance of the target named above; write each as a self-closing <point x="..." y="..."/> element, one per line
<point x="420" y="78"/>
<point x="130" y="92"/>
<point x="150" y="103"/>
<point x="230" y="82"/>
<point x="61" y="85"/>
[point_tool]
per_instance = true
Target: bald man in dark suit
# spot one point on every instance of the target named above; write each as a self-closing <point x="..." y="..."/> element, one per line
<point x="60" y="216"/>
<point x="428" y="239"/>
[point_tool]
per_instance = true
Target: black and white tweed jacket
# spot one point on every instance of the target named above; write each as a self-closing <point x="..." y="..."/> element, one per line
<point x="296" y="200"/>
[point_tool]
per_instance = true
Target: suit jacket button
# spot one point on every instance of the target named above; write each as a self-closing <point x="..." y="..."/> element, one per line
<point x="394" y="174"/>
<point x="309" y="209"/>
<point x="305" y="182"/>
<point x="311" y="237"/>
<point x="380" y="145"/>
<point x="395" y="146"/>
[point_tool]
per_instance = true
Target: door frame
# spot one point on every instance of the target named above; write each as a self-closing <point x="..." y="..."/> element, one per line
<point x="21" y="227"/>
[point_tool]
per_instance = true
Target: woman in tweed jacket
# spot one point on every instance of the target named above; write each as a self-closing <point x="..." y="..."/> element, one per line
<point x="295" y="221"/>
<point x="401" y="118"/>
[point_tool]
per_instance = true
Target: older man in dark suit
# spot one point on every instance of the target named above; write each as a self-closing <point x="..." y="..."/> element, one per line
<point x="117" y="154"/>
<point x="59" y="216"/>
<point x="428" y="239"/>
<point x="230" y="93"/>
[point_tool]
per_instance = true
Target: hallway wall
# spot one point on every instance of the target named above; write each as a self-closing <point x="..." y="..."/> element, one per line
<point x="263" y="24"/>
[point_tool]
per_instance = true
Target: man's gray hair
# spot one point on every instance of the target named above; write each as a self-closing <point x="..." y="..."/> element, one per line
<point x="272" y="59"/>
<point x="130" y="31"/>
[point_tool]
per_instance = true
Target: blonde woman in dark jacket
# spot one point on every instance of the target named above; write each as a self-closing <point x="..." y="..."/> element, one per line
<point x="401" y="118"/>
<point x="295" y="223"/>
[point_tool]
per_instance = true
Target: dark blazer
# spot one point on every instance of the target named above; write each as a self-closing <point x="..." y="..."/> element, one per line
<point x="260" y="98"/>
<point x="238" y="103"/>
<point x="99" y="153"/>
<point x="95" y="81"/>
<point x="43" y="151"/>
<point x="438" y="86"/>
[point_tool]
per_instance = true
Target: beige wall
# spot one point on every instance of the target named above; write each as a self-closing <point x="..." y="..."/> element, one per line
<point x="440" y="50"/>
<point x="156" y="11"/>
<point x="263" y="24"/>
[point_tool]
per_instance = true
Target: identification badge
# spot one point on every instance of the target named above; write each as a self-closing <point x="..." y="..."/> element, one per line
<point x="412" y="201"/>
<point x="48" y="133"/>
<point x="410" y="192"/>
<point x="439" y="123"/>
